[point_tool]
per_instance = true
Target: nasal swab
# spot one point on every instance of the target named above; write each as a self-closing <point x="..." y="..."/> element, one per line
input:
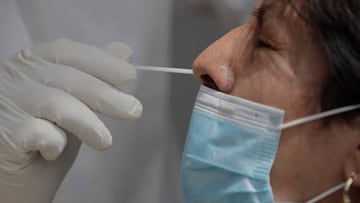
<point x="165" y="69"/>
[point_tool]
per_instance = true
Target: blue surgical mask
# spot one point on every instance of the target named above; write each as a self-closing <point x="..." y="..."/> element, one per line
<point x="231" y="147"/>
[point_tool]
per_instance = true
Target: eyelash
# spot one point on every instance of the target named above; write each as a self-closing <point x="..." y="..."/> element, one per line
<point x="263" y="44"/>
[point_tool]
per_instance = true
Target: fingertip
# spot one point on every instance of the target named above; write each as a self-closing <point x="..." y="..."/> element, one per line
<point x="53" y="147"/>
<point x="136" y="110"/>
<point x="43" y="136"/>
<point x="119" y="105"/>
<point x="131" y="73"/>
<point x="50" y="152"/>
<point x="121" y="72"/>
<point x="105" y="141"/>
<point x="120" y="49"/>
<point x="97" y="137"/>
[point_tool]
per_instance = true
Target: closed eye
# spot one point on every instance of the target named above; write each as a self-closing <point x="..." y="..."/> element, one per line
<point x="264" y="44"/>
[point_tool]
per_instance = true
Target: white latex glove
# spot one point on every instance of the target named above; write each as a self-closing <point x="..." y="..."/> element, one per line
<point x="48" y="96"/>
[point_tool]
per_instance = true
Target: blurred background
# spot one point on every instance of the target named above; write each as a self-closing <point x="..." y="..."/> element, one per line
<point x="143" y="164"/>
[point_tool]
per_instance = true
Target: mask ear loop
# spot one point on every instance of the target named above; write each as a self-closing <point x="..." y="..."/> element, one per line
<point x="324" y="194"/>
<point x="349" y="182"/>
<point x="327" y="193"/>
<point x="319" y="116"/>
<point x="325" y="114"/>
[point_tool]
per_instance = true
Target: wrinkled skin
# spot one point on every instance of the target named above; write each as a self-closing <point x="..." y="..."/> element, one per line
<point x="277" y="60"/>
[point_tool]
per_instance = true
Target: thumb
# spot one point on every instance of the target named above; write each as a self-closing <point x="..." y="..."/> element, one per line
<point x="120" y="50"/>
<point x="43" y="136"/>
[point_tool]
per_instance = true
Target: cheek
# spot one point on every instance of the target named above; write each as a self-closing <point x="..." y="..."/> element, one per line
<point x="267" y="79"/>
<point x="270" y="79"/>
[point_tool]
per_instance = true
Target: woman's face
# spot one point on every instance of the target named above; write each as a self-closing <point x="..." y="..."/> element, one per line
<point x="276" y="59"/>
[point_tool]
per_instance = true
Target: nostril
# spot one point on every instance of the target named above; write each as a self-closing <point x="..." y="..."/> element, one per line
<point x="209" y="82"/>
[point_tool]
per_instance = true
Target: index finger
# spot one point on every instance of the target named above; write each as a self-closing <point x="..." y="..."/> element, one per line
<point x="86" y="58"/>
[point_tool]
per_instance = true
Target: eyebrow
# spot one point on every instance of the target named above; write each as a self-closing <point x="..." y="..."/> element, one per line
<point x="260" y="12"/>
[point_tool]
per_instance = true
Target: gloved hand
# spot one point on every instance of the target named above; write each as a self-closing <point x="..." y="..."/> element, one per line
<point x="48" y="96"/>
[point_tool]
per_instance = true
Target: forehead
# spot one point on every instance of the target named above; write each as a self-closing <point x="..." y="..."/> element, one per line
<point x="289" y="13"/>
<point x="282" y="8"/>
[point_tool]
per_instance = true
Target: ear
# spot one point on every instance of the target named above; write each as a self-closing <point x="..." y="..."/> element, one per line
<point x="352" y="164"/>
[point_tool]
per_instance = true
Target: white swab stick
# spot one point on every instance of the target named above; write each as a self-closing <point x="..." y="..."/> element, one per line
<point x="165" y="69"/>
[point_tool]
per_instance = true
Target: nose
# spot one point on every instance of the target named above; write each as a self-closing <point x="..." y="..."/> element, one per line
<point x="215" y="66"/>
